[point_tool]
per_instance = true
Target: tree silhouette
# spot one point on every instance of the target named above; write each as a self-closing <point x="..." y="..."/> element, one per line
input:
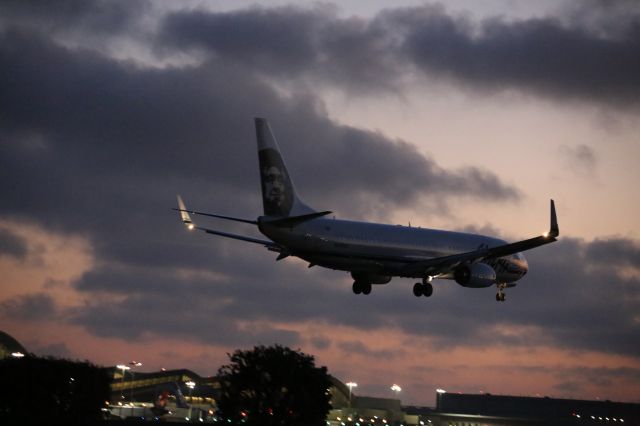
<point x="46" y="391"/>
<point x="274" y="385"/>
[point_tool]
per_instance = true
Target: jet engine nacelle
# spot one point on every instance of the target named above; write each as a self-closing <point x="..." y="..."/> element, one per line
<point x="370" y="278"/>
<point x="476" y="275"/>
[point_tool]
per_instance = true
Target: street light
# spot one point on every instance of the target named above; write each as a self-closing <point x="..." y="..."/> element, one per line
<point x="351" y="385"/>
<point x="124" y="368"/>
<point x="440" y="392"/>
<point x="132" y="364"/>
<point x="190" y="384"/>
<point x="396" y="389"/>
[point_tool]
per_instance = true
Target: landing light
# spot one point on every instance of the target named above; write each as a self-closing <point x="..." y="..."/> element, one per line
<point x="190" y="226"/>
<point x="17" y="354"/>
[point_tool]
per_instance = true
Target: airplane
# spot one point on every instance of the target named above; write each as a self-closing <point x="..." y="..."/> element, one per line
<point x="373" y="253"/>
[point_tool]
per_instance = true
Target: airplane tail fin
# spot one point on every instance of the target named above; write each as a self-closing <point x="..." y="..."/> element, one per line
<point x="279" y="195"/>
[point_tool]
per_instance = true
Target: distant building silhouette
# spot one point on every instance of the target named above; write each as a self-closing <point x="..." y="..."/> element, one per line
<point x="456" y="409"/>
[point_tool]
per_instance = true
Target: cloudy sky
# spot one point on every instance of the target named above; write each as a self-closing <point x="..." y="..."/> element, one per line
<point x="468" y="115"/>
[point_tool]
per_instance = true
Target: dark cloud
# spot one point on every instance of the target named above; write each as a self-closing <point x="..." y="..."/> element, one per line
<point x="104" y="17"/>
<point x="576" y="56"/>
<point x="290" y="42"/>
<point x="618" y="252"/>
<point x="539" y="55"/>
<point x="29" y="307"/>
<point x="158" y="316"/>
<point x="12" y="245"/>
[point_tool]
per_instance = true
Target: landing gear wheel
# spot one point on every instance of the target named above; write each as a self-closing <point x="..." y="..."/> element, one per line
<point x="417" y="289"/>
<point x="427" y="289"/>
<point x="500" y="297"/>
<point x="356" y="287"/>
<point x="366" y="288"/>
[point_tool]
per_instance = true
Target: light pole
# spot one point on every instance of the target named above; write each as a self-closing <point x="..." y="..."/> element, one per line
<point x="124" y="368"/>
<point x="440" y="392"/>
<point x="190" y="384"/>
<point x="351" y="385"/>
<point x="132" y="364"/>
<point x="396" y="389"/>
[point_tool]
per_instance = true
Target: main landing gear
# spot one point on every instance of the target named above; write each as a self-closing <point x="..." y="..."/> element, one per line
<point x="361" y="287"/>
<point x="423" y="289"/>
<point x="500" y="296"/>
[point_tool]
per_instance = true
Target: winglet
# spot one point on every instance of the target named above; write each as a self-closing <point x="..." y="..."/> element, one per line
<point x="184" y="215"/>
<point x="554" y="231"/>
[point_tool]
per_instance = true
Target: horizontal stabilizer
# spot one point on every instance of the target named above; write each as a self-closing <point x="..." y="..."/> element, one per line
<point x="291" y="221"/>
<point x="265" y="243"/>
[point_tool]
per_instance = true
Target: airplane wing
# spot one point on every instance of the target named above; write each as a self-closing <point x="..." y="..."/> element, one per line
<point x="186" y="219"/>
<point x="446" y="264"/>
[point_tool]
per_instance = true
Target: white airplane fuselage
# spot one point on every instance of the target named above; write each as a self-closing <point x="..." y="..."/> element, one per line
<point x="386" y="250"/>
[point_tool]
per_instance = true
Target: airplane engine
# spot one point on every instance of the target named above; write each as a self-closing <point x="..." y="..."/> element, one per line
<point x="476" y="275"/>
<point x="370" y="278"/>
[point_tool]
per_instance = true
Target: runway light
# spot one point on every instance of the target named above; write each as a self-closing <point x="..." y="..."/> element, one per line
<point x="441" y="390"/>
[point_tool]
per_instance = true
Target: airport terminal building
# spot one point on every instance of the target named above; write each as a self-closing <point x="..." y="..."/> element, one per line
<point x="452" y="409"/>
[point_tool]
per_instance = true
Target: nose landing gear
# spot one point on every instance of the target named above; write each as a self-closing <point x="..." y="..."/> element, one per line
<point x="500" y="295"/>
